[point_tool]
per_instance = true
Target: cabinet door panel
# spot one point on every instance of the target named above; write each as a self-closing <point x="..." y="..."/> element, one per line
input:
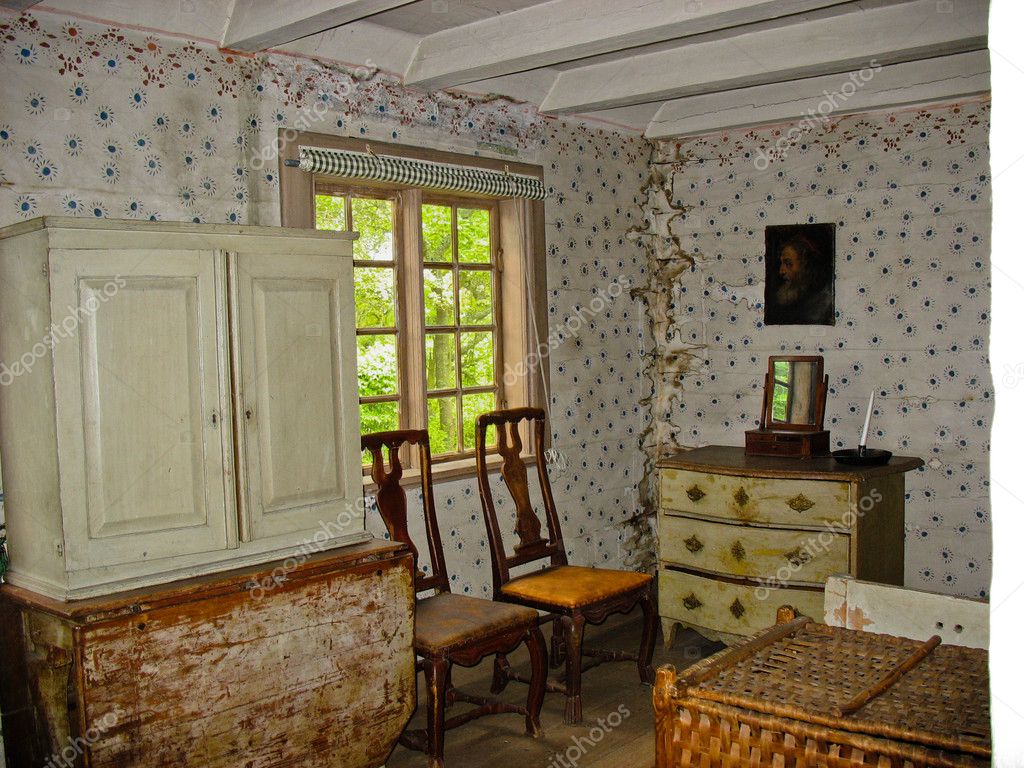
<point x="138" y="356"/>
<point x="297" y="399"/>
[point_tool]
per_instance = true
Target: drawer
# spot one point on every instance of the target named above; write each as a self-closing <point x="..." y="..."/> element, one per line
<point x="768" y="553"/>
<point x="738" y="609"/>
<point x="756" y="499"/>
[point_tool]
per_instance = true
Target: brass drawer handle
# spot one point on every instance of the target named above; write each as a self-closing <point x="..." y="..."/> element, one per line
<point x="737" y="609"/>
<point x="799" y="556"/>
<point x="694" y="493"/>
<point x="800" y="503"/>
<point x="694" y="544"/>
<point x="738" y="552"/>
<point x="741" y="497"/>
<point x="691" y="602"/>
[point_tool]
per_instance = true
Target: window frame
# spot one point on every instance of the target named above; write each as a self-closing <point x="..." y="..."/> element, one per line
<point x="519" y="251"/>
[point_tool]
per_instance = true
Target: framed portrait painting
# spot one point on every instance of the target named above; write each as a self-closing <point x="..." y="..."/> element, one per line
<point x="800" y="266"/>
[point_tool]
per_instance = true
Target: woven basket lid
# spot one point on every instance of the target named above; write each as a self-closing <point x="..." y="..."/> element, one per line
<point x="881" y="685"/>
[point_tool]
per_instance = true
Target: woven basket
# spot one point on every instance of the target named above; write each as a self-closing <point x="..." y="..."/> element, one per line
<point x="804" y="695"/>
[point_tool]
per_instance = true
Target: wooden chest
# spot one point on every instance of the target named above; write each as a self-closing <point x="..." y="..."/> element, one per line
<point x="741" y="535"/>
<point x="805" y="694"/>
<point x="305" y="662"/>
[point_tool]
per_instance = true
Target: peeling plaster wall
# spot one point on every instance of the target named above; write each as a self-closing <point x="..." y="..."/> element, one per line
<point x="105" y="122"/>
<point x="909" y="193"/>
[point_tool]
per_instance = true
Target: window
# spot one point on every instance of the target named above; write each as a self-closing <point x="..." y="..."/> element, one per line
<point x="450" y="294"/>
<point x="461" y="314"/>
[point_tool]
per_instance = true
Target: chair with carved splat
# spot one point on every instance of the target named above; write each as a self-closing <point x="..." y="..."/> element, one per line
<point x="572" y="596"/>
<point x="450" y="629"/>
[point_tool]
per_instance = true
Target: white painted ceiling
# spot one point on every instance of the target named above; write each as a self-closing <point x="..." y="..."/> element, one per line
<point x="659" y="67"/>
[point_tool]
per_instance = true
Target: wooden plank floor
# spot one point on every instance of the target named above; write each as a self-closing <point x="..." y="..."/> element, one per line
<point x="612" y="696"/>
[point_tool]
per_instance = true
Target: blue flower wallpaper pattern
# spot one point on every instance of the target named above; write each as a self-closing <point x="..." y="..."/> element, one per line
<point x="909" y="193"/>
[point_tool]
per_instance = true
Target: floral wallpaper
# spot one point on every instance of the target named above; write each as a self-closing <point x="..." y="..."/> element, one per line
<point x="103" y="122"/>
<point x="909" y="193"/>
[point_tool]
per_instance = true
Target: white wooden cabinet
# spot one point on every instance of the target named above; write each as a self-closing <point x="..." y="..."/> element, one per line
<point x="175" y="399"/>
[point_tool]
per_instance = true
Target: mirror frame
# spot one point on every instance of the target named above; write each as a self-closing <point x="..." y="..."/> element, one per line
<point x="769" y="424"/>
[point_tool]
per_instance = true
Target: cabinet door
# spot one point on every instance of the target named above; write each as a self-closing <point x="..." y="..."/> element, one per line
<point x="140" y="368"/>
<point x="297" y="404"/>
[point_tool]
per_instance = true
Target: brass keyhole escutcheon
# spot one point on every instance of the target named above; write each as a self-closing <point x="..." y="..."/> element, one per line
<point x="694" y="544"/>
<point x="694" y="493"/>
<point x="691" y="602"/>
<point x="741" y="497"/>
<point x="738" y="552"/>
<point x="800" y="503"/>
<point x="737" y="609"/>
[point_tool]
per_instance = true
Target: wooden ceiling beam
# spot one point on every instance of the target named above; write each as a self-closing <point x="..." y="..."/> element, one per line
<point x="566" y="30"/>
<point x="256" y="25"/>
<point x="917" y="82"/>
<point x="886" y="34"/>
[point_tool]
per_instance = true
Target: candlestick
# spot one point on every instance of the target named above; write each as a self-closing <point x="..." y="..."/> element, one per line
<point x="867" y="420"/>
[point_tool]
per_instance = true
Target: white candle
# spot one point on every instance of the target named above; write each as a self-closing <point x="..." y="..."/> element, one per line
<point x="867" y="420"/>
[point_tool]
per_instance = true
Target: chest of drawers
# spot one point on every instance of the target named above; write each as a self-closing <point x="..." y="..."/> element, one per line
<point x="741" y="535"/>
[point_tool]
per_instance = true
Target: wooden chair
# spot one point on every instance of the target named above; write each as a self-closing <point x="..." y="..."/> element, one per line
<point x="572" y="596"/>
<point x="450" y="629"/>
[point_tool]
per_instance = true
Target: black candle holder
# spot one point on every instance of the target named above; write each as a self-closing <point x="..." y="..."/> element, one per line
<point x="862" y="456"/>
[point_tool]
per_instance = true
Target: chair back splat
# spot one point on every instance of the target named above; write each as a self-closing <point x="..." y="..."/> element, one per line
<point x="393" y="503"/>
<point x="532" y="544"/>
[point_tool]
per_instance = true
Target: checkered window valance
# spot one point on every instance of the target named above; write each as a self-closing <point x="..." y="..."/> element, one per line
<point x="419" y="173"/>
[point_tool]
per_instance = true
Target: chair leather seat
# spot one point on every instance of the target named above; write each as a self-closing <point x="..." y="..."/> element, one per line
<point x="571" y="586"/>
<point x="445" y="622"/>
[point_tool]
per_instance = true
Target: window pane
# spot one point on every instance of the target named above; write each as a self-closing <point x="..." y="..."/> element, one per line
<point x="377" y="417"/>
<point x="475" y="298"/>
<point x="378" y="365"/>
<point x="439" y="296"/>
<point x="440" y="361"/>
<point x="443" y="424"/>
<point x="437" y="233"/>
<point x="473" y="406"/>
<point x="474" y="235"/>
<point x="375" y="297"/>
<point x="477" y="359"/>
<point x="374" y="221"/>
<point x="330" y="213"/>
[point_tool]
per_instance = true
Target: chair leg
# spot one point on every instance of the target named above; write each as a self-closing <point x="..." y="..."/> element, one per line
<point x="538" y="680"/>
<point x="500" y="677"/>
<point x="436" y="673"/>
<point x="643" y="661"/>
<point x="557" y="657"/>
<point x="573" y="626"/>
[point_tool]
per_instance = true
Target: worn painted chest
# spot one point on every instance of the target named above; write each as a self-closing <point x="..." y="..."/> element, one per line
<point x="305" y="662"/>
<point x="741" y="535"/>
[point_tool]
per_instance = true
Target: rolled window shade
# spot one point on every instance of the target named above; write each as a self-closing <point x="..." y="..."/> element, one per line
<point x="418" y="173"/>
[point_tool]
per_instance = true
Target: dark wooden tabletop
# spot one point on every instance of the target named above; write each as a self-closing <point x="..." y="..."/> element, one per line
<point x="731" y="460"/>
